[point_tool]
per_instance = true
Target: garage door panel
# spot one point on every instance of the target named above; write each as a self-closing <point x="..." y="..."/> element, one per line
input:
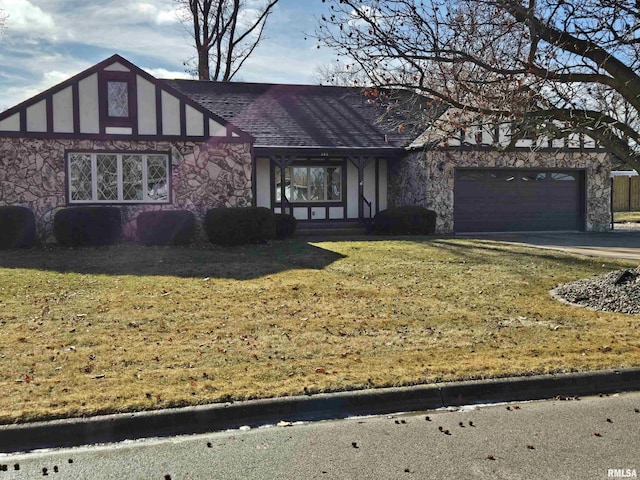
<point x="510" y="200"/>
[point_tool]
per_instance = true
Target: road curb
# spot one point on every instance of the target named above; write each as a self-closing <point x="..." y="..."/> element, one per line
<point x="216" y="417"/>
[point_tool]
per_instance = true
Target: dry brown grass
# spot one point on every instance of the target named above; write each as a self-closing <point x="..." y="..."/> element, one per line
<point x="633" y="217"/>
<point x="130" y="328"/>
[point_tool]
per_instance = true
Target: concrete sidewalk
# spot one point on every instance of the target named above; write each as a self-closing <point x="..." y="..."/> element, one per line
<point x="621" y="243"/>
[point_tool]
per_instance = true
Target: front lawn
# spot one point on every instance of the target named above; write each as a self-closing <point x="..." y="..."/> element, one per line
<point x="125" y="328"/>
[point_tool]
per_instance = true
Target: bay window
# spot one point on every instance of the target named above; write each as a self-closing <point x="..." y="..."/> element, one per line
<point x="118" y="177"/>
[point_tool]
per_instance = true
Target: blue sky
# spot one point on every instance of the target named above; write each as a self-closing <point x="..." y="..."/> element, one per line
<point x="48" y="41"/>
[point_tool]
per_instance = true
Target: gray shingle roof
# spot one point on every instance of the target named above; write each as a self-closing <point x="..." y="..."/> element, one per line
<point x="297" y="115"/>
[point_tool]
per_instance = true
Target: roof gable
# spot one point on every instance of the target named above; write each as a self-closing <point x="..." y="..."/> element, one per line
<point x="115" y="99"/>
<point x="456" y="128"/>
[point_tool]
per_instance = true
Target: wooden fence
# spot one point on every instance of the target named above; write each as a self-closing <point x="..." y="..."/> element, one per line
<point x="626" y="194"/>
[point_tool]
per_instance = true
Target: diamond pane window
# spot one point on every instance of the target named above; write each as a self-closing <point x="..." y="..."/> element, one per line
<point x="118" y="178"/>
<point x="316" y="184"/>
<point x="287" y="183"/>
<point x="107" y="177"/>
<point x="157" y="177"/>
<point x="334" y="184"/>
<point x="132" y="177"/>
<point x="80" y="177"/>
<point x="118" y="99"/>
<point x="300" y="180"/>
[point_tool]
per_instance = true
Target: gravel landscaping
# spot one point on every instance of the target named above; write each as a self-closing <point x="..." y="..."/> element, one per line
<point x="617" y="291"/>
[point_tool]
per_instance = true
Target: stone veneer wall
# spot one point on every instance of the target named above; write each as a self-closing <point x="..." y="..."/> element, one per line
<point x="427" y="179"/>
<point x="203" y="176"/>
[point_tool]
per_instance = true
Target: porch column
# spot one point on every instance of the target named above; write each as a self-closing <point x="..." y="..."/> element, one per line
<point x="283" y="161"/>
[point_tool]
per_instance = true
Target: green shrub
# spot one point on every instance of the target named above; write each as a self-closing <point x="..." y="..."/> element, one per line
<point x="77" y="226"/>
<point x="239" y="225"/>
<point x="17" y="227"/>
<point x="166" y="227"/>
<point x="285" y="225"/>
<point x="408" y="220"/>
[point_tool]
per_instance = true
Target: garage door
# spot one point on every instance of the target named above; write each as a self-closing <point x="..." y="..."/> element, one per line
<point x="517" y="200"/>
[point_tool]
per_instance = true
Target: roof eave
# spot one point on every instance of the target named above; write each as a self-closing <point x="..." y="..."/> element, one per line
<point x="322" y="151"/>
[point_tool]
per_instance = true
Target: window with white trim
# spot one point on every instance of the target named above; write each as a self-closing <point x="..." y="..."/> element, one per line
<point x="310" y="184"/>
<point x="118" y="177"/>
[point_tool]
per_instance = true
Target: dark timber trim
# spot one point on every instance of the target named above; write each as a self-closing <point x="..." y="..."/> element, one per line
<point x="75" y="98"/>
<point x="131" y="121"/>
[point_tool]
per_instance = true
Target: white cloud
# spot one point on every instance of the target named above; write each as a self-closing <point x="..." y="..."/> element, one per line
<point x="158" y="14"/>
<point x="167" y="17"/>
<point x="144" y="8"/>
<point x="167" y="74"/>
<point x="50" y="71"/>
<point x="52" y="40"/>
<point x="54" y="77"/>
<point x="26" y="17"/>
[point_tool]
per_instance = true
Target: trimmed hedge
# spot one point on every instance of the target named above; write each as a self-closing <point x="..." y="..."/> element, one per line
<point x="17" y="227"/>
<point x="166" y="227"/>
<point x="285" y="225"/>
<point x="408" y="220"/>
<point x="77" y="226"/>
<point x="239" y="225"/>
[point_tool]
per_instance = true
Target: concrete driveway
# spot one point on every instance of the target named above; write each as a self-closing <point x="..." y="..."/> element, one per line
<point x="622" y="243"/>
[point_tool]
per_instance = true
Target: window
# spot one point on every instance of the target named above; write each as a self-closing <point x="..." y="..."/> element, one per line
<point x="497" y="176"/>
<point x="310" y="184"/>
<point x="118" y="99"/>
<point x="563" y="177"/>
<point x="118" y="177"/>
<point x="534" y="177"/>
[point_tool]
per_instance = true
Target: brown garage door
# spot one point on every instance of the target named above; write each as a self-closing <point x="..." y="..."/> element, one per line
<point x="493" y="200"/>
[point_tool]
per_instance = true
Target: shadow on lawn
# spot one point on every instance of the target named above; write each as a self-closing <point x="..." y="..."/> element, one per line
<point x="239" y="263"/>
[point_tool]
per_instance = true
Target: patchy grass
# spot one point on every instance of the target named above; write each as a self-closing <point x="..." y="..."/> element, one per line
<point x="622" y="217"/>
<point x="127" y="328"/>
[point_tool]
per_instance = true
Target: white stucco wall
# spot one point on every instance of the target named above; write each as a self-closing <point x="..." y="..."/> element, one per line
<point x="352" y="191"/>
<point x="146" y="107"/>
<point x="11" y="124"/>
<point x="195" y="122"/>
<point x="263" y="183"/>
<point x="89" y="104"/>
<point x="170" y="114"/>
<point x="370" y="188"/>
<point x="382" y="185"/>
<point x="63" y="111"/>
<point x="37" y="117"/>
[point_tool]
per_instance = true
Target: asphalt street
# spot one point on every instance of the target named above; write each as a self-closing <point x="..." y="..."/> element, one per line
<point x="571" y="438"/>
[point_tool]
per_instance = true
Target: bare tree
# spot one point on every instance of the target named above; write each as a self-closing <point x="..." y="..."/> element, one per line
<point x="557" y="67"/>
<point x="3" y="21"/>
<point x="225" y="33"/>
<point x="340" y="74"/>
